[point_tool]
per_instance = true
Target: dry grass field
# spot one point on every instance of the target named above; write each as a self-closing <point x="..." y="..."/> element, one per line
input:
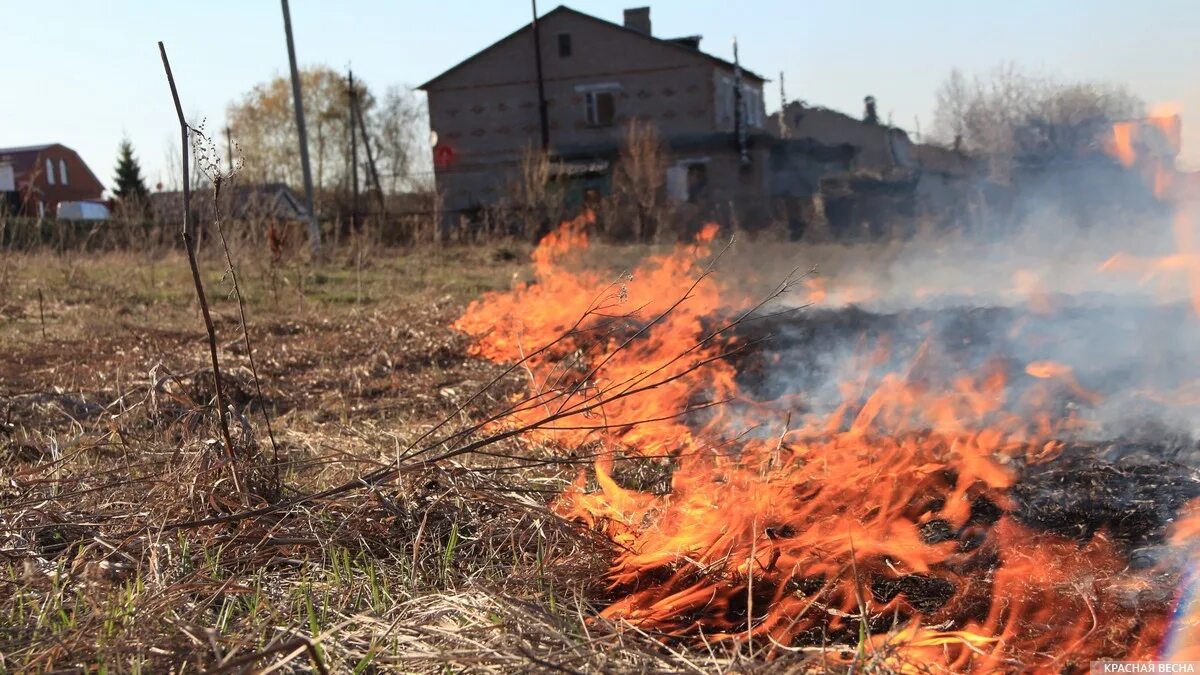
<point x="104" y="443"/>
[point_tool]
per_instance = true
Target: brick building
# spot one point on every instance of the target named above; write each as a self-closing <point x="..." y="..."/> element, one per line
<point x="596" y="77"/>
<point x="35" y="178"/>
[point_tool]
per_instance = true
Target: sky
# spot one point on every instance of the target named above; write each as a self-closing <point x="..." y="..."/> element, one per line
<point x="87" y="74"/>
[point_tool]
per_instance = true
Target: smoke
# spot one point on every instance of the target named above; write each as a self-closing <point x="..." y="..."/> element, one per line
<point x="1084" y="273"/>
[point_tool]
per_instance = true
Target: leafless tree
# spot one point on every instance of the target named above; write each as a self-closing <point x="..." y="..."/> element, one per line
<point x="400" y="124"/>
<point x="531" y="198"/>
<point x="1009" y="113"/>
<point x="640" y="177"/>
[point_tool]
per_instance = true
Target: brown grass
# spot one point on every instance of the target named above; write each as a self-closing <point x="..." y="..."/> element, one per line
<point x="105" y="442"/>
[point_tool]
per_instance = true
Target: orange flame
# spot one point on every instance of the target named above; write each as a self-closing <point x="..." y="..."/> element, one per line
<point x="887" y="516"/>
<point x="1168" y="187"/>
<point x="1122" y="143"/>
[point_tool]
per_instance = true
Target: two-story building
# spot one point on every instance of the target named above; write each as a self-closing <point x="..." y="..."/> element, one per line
<point x="35" y="178"/>
<point x="592" y="77"/>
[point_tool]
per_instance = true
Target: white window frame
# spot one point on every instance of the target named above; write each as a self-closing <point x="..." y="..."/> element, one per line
<point x="677" y="187"/>
<point x="49" y="171"/>
<point x="591" y="111"/>
<point x="598" y="86"/>
<point x="62" y="172"/>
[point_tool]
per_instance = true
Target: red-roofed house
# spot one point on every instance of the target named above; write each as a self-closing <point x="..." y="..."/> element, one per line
<point x="35" y="178"/>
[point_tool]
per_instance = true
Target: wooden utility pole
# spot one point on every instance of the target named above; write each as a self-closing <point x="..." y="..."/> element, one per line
<point x="370" y="157"/>
<point x="229" y="147"/>
<point x="783" y="129"/>
<point x="353" y="152"/>
<point x="541" y="85"/>
<point x="314" y="229"/>
<point x="739" y="114"/>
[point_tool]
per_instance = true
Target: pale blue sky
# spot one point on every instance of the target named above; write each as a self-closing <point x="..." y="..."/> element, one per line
<point x="85" y="73"/>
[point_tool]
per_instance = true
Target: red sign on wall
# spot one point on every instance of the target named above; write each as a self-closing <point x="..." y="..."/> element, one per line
<point x="443" y="156"/>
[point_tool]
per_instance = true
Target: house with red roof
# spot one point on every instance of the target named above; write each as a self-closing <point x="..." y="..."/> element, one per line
<point x="35" y="178"/>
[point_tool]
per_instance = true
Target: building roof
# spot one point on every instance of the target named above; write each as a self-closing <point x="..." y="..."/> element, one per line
<point x="26" y="148"/>
<point x="673" y="43"/>
<point x="274" y="200"/>
<point x="23" y="157"/>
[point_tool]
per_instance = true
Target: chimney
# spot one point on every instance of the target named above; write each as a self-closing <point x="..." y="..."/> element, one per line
<point x="869" y="114"/>
<point x="638" y="18"/>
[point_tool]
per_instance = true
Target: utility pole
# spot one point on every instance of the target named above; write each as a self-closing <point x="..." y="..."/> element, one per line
<point x="353" y="152"/>
<point x="541" y="86"/>
<point x="370" y="157"/>
<point x="314" y="229"/>
<point x="783" y="129"/>
<point x="739" y="115"/>
<point x="229" y="146"/>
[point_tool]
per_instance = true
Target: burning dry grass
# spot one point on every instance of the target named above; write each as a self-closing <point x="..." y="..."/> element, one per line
<point x="888" y="522"/>
<point x="422" y="519"/>
<point x="121" y="541"/>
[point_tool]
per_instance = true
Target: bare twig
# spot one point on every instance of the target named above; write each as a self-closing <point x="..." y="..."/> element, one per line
<point x="42" y="314"/>
<point x="219" y="179"/>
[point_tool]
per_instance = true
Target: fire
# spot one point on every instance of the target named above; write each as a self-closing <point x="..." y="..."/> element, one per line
<point x="883" y="525"/>
<point x="1157" y="152"/>
<point x="1122" y="143"/>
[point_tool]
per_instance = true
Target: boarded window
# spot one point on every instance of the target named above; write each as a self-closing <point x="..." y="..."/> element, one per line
<point x="601" y="108"/>
<point x="62" y="171"/>
<point x="564" y="45"/>
<point x="49" y="171"/>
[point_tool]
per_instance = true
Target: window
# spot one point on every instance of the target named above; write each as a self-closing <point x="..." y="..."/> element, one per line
<point x="564" y="45"/>
<point x="49" y="171"/>
<point x="600" y="102"/>
<point x="724" y="103"/>
<point x="62" y="171"/>
<point x="753" y="106"/>
<point x="687" y="180"/>
<point x="601" y="108"/>
<point x="751" y="103"/>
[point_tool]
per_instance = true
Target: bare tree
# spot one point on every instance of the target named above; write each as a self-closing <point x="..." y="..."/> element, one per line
<point x="640" y="178"/>
<point x="399" y="129"/>
<point x="532" y="199"/>
<point x="1008" y="114"/>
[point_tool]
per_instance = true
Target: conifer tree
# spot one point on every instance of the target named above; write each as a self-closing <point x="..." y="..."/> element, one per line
<point x="128" y="183"/>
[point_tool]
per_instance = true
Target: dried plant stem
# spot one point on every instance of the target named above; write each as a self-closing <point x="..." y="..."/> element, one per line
<point x="42" y="314"/>
<point x="237" y="292"/>
<point x="190" y="247"/>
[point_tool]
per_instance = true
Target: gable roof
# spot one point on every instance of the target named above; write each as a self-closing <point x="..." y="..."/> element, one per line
<point x="23" y="158"/>
<point x="673" y="43"/>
